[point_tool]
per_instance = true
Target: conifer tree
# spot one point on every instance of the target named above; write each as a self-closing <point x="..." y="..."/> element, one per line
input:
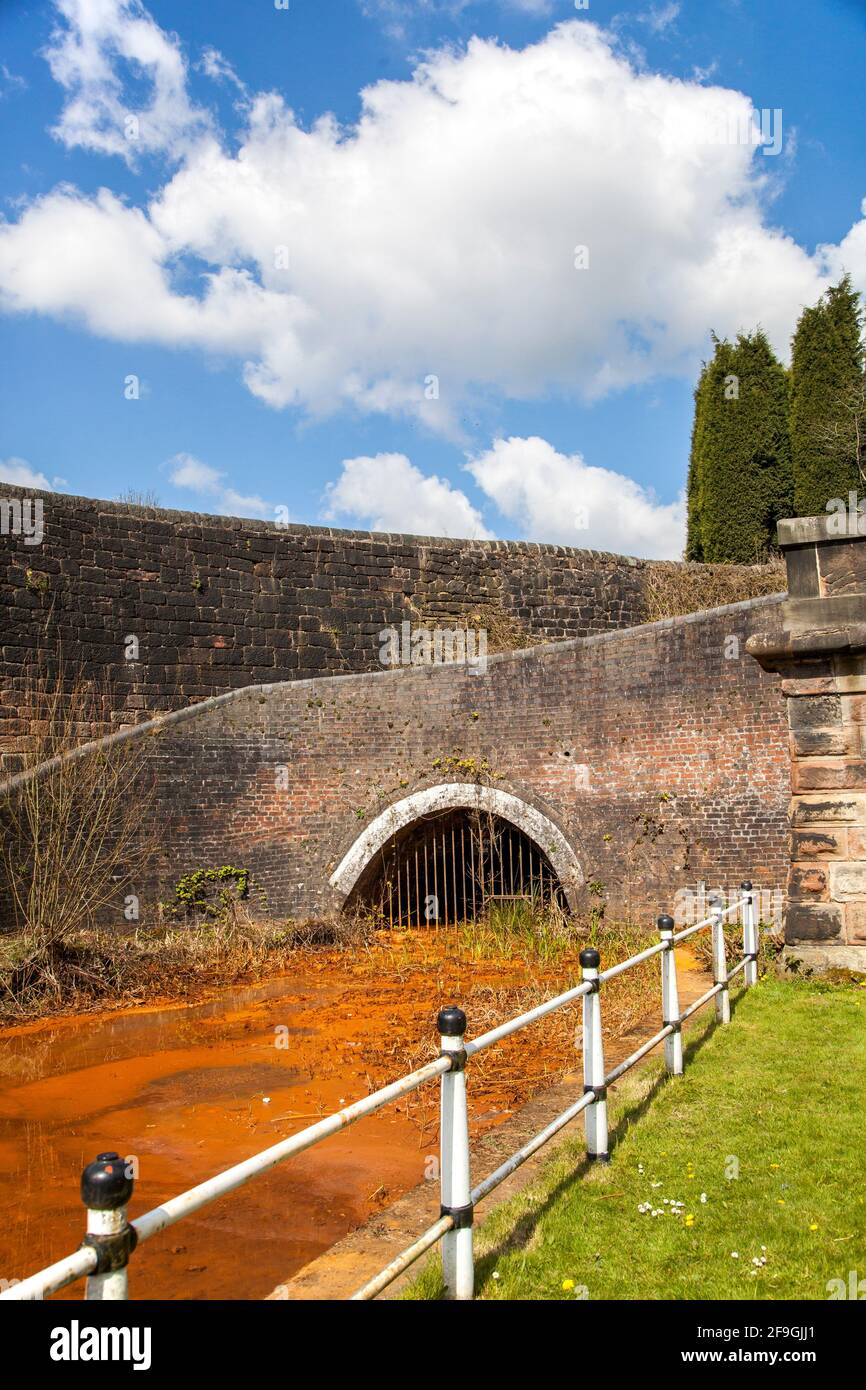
<point x="828" y="403"/>
<point x="740" y="481"/>
<point x="694" y="494"/>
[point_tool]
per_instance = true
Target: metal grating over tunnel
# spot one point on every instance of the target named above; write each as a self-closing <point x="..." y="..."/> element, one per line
<point x="456" y="866"/>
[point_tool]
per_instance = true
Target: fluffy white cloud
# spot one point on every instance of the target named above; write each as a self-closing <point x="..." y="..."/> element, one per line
<point x="101" y="43"/>
<point x="560" y="498"/>
<point x="550" y="496"/>
<point x="188" y="472"/>
<point x="436" y="236"/>
<point x="388" y="493"/>
<point x="14" y="470"/>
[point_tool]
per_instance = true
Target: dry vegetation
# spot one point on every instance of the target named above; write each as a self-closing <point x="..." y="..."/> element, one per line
<point x="74" y="840"/>
<point x="673" y="590"/>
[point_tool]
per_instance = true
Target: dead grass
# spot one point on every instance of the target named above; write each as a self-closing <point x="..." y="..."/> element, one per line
<point x="674" y="590"/>
<point x="101" y="969"/>
<point x="416" y="967"/>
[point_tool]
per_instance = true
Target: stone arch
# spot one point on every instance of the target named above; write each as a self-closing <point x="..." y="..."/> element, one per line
<point x="469" y="796"/>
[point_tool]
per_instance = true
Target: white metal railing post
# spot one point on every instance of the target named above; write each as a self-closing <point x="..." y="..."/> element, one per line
<point x="455" y="1187"/>
<point x="595" y="1115"/>
<point x="720" y="964"/>
<point x="750" y="935"/>
<point x="670" y="998"/>
<point x="105" y="1191"/>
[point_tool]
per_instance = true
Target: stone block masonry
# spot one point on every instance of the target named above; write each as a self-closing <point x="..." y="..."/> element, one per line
<point x="819" y="649"/>
<point x="215" y="604"/>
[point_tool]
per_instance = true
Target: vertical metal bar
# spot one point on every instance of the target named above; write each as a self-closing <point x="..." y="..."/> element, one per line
<point x="106" y="1190"/>
<point x="463" y="863"/>
<point x="454" y="874"/>
<point x="455" y="1186"/>
<point x="445" y="877"/>
<point x="399" y="890"/>
<point x="670" y="998"/>
<point x="426" y="884"/>
<point x="595" y="1115"/>
<point x="720" y="964"/>
<point x="417" y="891"/>
<point x="408" y="895"/>
<point x="750" y="935"/>
<point x="520" y="862"/>
<point x="435" y="879"/>
<point x="472" y="870"/>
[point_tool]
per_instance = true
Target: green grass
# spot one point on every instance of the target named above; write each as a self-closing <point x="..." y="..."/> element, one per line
<point x="767" y="1122"/>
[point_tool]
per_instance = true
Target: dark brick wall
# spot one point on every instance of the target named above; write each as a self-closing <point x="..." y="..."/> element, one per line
<point x="685" y="746"/>
<point x="219" y="603"/>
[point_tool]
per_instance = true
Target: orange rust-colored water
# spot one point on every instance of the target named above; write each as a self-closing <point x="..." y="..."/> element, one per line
<point x="187" y="1092"/>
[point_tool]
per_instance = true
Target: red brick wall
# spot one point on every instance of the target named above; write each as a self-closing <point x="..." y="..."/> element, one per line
<point x="686" y="751"/>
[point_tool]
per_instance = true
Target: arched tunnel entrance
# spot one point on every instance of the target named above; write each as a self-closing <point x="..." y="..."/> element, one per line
<point x="456" y="866"/>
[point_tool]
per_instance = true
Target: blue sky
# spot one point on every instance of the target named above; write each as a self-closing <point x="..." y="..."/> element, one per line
<point x="372" y="312"/>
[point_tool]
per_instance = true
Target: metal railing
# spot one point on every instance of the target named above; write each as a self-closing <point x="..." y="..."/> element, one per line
<point x="106" y="1185"/>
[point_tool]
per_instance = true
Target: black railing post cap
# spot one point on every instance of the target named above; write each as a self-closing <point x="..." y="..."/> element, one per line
<point x="451" y="1022"/>
<point x="747" y="886"/>
<point x="664" y="922"/>
<point x="589" y="958"/>
<point x="104" y="1183"/>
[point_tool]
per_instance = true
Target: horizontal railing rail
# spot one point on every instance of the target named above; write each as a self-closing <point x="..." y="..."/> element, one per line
<point x="106" y="1185"/>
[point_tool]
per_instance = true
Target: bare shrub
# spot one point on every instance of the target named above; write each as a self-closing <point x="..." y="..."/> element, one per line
<point x="76" y="826"/>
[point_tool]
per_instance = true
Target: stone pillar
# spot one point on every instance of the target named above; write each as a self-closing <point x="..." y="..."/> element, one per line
<point x="819" y="650"/>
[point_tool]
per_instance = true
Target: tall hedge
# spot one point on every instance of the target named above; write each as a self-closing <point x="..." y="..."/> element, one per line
<point x="694" y="491"/>
<point x="740" y="479"/>
<point x="826" y="371"/>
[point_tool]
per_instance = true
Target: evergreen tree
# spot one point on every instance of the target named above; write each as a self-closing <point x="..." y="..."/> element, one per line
<point x="694" y="493"/>
<point x="740" y="480"/>
<point x="828" y="412"/>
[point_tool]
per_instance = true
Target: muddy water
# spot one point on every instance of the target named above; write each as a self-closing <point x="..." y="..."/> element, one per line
<point x="188" y="1091"/>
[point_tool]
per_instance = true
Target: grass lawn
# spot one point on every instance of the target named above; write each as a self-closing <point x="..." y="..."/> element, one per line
<point x="762" y="1141"/>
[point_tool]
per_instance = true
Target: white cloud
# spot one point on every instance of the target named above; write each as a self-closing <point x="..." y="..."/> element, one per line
<point x="102" y="43"/>
<point x="342" y="266"/>
<point x="398" y="15"/>
<point x="190" y="473"/>
<point x="15" y="470"/>
<point x="388" y="493"/>
<point x="660" y="17"/>
<point x="549" y="496"/>
<point x="216" y="66"/>
<point x="10" y="82"/>
<point x="559" y="498"/>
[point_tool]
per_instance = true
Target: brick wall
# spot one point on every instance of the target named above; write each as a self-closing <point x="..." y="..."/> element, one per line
<point x="682" y="737"/>
<point x="218" y="603"/>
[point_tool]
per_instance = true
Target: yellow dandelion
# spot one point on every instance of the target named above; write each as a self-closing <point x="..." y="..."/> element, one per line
<point x="814" y="1226"/>
<point x="690" y="1221"/>
<point x="568" y="1284"/>
<point x="781" y="1201"/>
